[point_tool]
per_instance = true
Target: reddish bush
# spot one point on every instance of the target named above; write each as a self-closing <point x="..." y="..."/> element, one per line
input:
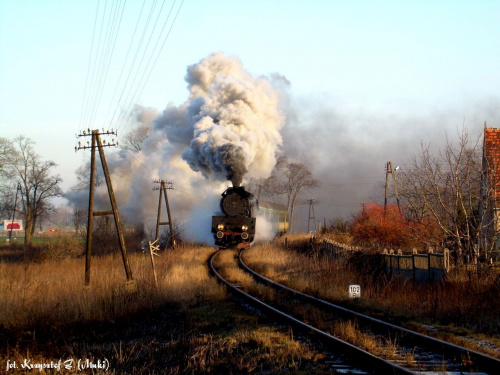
<point x="376" y="226"/>
<point x="426" y="231"/>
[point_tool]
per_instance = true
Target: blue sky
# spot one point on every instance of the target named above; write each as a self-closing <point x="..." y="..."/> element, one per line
<point x="376" y="57"/>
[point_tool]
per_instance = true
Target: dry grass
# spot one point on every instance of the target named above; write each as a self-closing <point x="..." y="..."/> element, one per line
<point x="250" y="352"/>
<point x="52" y="292"/>
<point x="227" y="261"/>
<point x="187" y="325"/>
<point x="350" y="332"/>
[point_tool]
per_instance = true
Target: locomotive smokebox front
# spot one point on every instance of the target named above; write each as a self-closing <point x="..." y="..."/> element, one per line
<point x="236" y="201"/>
<point x="237" y="227"/>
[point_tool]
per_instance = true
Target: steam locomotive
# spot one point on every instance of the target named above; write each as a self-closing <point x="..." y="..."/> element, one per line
<point x="237" y="227"/>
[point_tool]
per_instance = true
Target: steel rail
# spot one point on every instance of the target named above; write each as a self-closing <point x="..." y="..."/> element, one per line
<point x="483" y="361"/>
<point x="368" y="361"/>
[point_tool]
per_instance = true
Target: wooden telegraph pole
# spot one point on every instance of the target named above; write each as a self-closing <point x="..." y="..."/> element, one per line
<point x="164" y="186"/>
<point x="312" y="215"/>
<point x="389" y="170"/>
<point x="96" y="142"/>
<point x="18" y="189"/>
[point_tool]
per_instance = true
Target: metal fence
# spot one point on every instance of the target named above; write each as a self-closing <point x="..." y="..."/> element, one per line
<point x="419" y="267"/>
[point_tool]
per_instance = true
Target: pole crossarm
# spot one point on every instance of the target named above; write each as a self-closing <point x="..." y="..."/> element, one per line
<point x="90" y="133"/>
<point x="103" y="213"/>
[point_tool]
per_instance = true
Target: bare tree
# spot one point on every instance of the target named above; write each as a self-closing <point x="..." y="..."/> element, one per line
<point x="80" y="221"/>
<point x="6" y="153"/>
<point x="83" y="176"/>
<point x="289" y="178"/>
<point x="447" y="188"/>
<point x="37" y="183"/>
<point x="7" y="188"/>
<point x="6" y="200"/>
<point x="141" y="128"/>
<point x="132" y="141"/>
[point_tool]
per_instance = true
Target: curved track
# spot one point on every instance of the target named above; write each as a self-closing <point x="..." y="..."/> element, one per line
<point x="374" y="364"/>
<point x="479" y="361"/>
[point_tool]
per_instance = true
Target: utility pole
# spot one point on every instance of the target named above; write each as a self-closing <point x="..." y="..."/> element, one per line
<point x="313" y="216"/>
<point x="18" y="189"/>
<point x="97" y="143"/>
<point x="389" y="170"/>
<point x="164" y="186"/>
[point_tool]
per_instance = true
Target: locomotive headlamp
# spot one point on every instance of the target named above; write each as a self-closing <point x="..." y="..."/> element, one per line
<point x="244" y="235"/>
<point x="244" y="228"/>
<point x="220" y="226"/>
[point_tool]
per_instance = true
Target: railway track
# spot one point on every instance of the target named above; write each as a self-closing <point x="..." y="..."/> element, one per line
<point x="427" y="354"/>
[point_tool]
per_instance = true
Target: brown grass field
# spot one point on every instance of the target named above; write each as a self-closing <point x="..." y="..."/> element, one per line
<point x="188" y="325"/>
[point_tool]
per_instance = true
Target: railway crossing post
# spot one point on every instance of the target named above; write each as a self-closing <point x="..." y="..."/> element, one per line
<point x="96" y="142"/>
<point x="164" y="186"/>
<point x="153" y="248"/>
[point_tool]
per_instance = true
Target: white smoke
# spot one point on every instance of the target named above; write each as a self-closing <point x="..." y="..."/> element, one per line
<point x="264" y="231"/>
<point x="234" y="121"/>
<point x="227" y="129"/>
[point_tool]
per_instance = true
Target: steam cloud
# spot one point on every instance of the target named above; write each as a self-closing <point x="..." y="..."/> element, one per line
<point x="234" y="121"/>
<point x="227" y="129"/>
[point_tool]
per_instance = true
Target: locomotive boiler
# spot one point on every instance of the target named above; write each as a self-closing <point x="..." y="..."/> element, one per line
<point x="237" y="227"/>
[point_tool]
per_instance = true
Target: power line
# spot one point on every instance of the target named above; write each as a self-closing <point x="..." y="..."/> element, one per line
<point x="88" y="67"/>
<point x="104" y="39"/>
<point x="92" y="80"/>
<point x="139" y="46"/>
<point x="150" y="69"/>
<point x="124" y="64"/>
<point x="107" y="61"/>
<point x="108" y="19"/>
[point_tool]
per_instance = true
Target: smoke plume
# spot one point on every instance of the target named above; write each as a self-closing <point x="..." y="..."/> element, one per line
<point x="347" y="147"/>
<point x="234" y="121"/>
<point x="228" y="129"/>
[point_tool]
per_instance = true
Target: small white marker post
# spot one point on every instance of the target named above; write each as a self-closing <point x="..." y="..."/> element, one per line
<point x="354" y="291"/>
<point x="153" y="247"/>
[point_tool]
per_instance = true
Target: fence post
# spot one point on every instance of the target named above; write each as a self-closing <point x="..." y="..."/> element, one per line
<point x="413" y="263"/>
<point x="446" y="254"/>
<point x="429" y="265"/>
